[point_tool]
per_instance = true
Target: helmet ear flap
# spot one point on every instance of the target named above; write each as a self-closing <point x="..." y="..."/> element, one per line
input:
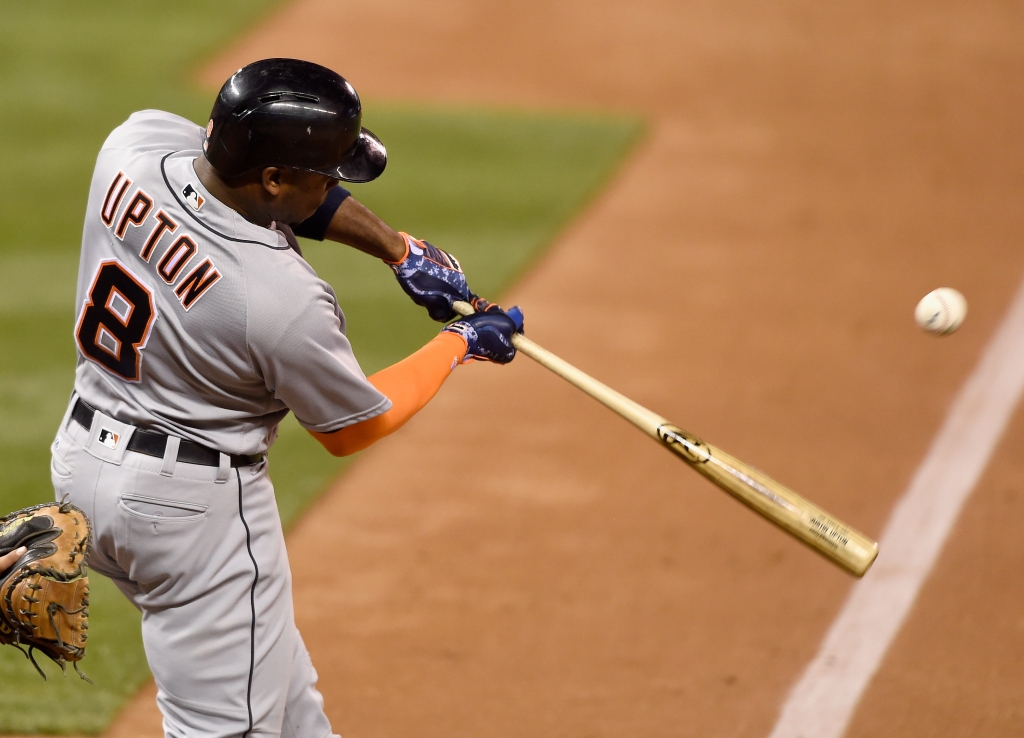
<point x="293" y="114"/>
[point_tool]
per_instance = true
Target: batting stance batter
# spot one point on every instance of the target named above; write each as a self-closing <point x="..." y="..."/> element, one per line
<point x="200" y="326"/>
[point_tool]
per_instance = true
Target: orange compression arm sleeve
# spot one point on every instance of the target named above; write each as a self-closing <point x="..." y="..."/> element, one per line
<point x="409" y="385"/>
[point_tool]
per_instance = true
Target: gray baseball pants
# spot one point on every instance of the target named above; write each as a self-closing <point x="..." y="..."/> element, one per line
<point x="200" y="551"/>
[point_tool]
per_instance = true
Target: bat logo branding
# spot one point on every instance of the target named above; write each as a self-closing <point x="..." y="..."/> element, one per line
<point x="831" y="532"/>
<point x="691" y="448"/>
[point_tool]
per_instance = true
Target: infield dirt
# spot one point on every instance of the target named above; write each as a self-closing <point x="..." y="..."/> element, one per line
<point x="517" y="560"/>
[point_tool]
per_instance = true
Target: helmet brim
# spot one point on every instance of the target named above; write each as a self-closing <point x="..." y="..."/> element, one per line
<point x="364" y="162"/>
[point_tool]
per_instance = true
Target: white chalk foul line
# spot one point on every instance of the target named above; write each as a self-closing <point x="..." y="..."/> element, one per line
<point x="822" y="702"/>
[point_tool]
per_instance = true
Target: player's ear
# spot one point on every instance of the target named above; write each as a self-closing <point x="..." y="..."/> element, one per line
<point x="272" y="177"/>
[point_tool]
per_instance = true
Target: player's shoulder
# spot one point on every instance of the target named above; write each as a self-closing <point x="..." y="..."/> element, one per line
<point x="282" y="290"/>
<point x="155" y="130"/>
<point x="282" y="279"/>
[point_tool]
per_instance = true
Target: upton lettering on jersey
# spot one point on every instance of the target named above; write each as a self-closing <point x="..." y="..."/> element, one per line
<point x="179" y="251"/>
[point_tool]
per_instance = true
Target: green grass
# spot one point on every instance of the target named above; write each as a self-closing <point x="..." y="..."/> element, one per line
<point x="493" y="187"/>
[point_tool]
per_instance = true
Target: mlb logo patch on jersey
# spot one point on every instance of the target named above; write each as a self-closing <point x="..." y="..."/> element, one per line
<point x="192" y="197"/>
<point x="108" y="438"/>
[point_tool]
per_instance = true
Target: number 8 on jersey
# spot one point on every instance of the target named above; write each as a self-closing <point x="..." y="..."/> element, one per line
<point x="116" y="321"/>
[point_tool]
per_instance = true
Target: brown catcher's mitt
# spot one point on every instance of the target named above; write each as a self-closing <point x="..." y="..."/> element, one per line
<point x="44" y="596"/>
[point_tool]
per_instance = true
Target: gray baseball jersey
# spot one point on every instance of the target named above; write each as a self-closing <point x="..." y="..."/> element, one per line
<point x="194" y="321"/>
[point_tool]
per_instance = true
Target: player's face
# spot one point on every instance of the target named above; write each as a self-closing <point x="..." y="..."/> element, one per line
<point x="296" y="194"/>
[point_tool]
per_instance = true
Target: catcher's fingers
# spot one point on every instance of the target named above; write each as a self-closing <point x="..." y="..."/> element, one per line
<point x="6" y="562"/>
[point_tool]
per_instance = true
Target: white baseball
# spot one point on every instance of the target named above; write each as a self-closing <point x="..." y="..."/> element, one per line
<point x="941" y="311"/>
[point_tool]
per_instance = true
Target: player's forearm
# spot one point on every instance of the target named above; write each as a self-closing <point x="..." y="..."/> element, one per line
<point x="355" y="225"/>
<point x="410" y="384"/>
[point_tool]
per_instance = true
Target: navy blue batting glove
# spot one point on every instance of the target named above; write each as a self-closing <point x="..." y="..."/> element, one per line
<point x="489" y="334"/>
<point x="432" y="278"/>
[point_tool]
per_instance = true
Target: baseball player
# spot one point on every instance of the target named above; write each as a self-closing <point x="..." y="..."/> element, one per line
<point x="200" y="326"/>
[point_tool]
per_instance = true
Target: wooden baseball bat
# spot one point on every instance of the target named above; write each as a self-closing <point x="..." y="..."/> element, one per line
<point x="807" y="522"/>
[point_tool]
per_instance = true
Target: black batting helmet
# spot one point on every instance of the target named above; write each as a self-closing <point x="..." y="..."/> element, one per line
<point x="294" y="114"/>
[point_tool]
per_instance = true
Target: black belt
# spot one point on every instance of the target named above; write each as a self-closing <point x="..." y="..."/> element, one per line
<point x="152" y="443"/>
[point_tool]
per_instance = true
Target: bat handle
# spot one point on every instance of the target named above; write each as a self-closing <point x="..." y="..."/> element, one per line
<point x="463" y="308"/>
<point x="634" y="412"/>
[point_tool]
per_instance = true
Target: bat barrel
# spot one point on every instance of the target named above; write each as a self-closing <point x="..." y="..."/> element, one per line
<point x="845" y="546"/>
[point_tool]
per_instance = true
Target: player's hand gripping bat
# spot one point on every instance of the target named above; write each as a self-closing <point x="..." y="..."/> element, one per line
<point x="835" y="540"/>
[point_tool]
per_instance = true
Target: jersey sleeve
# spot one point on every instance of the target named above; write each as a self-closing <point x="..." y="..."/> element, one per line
<point x="155" y="130"/>
<point x="296" y="336"/>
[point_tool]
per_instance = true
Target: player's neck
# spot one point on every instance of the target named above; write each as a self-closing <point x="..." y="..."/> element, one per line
<point x="244" y="199"/>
